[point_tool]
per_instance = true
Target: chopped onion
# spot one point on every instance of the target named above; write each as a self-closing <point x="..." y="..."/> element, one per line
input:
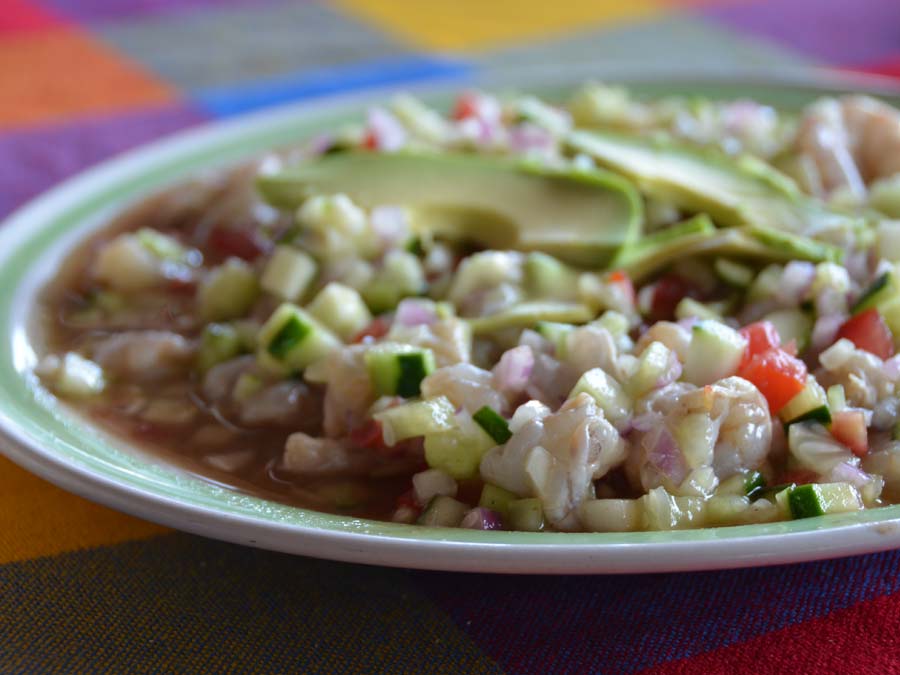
<point x="664" y="454"/>
<point x="796" y="280"/>
<point x="431" y="483"/>
<point x="647" y="421"/>
<point x="825" y="331"/>
<point x="530" y="137"/>
<point x="390" y="224"/>
<point x="481" y="518"/>
<point x="892" y="368"/>
<point x="387" y="132"/>
<point x="845" y="472"/>
<point x="415" y="312"/>
<point x="512" y="372"/>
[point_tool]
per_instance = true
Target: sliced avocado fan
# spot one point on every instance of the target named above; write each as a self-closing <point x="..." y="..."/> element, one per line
<point x="581" y="216"/>
<point x="734" y="191"/>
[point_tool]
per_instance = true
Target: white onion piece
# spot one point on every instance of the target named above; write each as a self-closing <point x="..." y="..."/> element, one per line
<point x="387" y="132"/>
<point x="825" y="331"/>
<point x="512" y="372"/>
<point x="796" y="280"/>
<point x="415" y="312"/>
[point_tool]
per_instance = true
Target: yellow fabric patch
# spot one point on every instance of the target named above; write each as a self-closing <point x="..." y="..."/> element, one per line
<point x="38" y="519"/>
<point x="474" y="24"/>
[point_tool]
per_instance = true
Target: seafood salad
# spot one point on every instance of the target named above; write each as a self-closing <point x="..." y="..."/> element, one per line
<point x="601" y="314"/>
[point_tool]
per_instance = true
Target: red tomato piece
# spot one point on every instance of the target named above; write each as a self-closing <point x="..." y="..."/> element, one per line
<point x="849" y="428"/>
<point x="370" y="141"/>
<point x="467" y="105"/>
<point x="368" y="436"/>
<point x="667" y="293"/>
<point x="868" y="331"/>
<point x="798" y="476"/>
<point x="777" y="374"/>
<point x="236" y="242"/>
<point x="408" y="500"/>
<point x="378" y="328"/>
<point x="761" y="337"/>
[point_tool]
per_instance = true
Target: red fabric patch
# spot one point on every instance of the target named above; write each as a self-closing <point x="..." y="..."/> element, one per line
<point x="22" y="15"/>
<point x="864" y="638"/>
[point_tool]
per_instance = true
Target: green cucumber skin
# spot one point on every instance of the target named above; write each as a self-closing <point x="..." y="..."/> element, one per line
<point x="412" y="371"/>
<point x="822" y="414"/>
<point x="289" y="336"/>
<point x="755" y="482"/>
<point x="870" y="297"/>
<point x="804" y="502"/>
<point x="495" y="426"/>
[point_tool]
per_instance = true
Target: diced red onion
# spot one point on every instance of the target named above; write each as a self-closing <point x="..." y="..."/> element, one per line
<point x="825" y="331"/>
<point x="390" y="224"/>
<point x="514" y="369"/>
<point x="481" y="518"/>
<point x="647" y="421"/>
<point x="386" y="130"/>
<point x="671" y="373"/>
<point x="537" y="342"/>
<point x="664" y="454"/>
<point x="857" y="262"/>
<point x="527" y="137"/>
<point x="688" y="322"/>
<point x="844" y="472"/>
<point x="796" y="280"/>
<point x="415" y="312"/>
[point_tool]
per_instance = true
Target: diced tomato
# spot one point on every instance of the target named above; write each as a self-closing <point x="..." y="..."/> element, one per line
<point x="868" y="331"/>
<point x="238" y="242"/>
<point x="378" y="328"/>
<point x="408" y="500"/>
<point x="368" y="436"/>
<point x="761" y="337"/>
<point x="370" y="141"/>
<point x="777" y="374"/>
<point x="667" y="293"/>
<point x="466" y="106"/>
<point x="849" y="427"/>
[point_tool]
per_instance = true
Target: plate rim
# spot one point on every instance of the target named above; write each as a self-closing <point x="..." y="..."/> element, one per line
<point x="391" y="544"/>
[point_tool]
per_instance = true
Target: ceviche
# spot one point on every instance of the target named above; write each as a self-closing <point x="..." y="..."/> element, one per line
<point x="607" y="314"/>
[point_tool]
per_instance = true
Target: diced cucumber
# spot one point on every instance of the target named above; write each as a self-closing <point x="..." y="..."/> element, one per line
<point x="400" y="275"/>
<point x="688" y="308"/>
<point x="611" y="515"/>
<point x="288" y="273"/>
<point x="397" y="369"/>
<point x="726" y="510"/>
<point x="443" y="511"/>
<point x="792" y="324"/>
<point x="72" y="375"/>
<point x="663" y="511"/>
<point x="219" y="342"/>
<point x="416" y="419"/>
<point x="430" y="483"/>
<point x="228" y="291"/>
<point x="766" y="283"/>
<point x="556" y="333"/>
<point x="811" y="404"/>
<point x="884" y="195"/>
<point x="546" y="277"/>
<point x="615" y="322"/>
<point x="881" y="292"/>
<point x="458" y="452"/>
<point x="652" y="364"/>
<point x="694" y="434"/>
<point x="291" y="339"/>
<point x="837" y="401"/>
<point x="527" y="314"/>
<point x="888" y="233"/>
<point x="526" y="515"/>
<point x="753" y="481"/>
<point x="342" y="309"/>
<point x="715" y="353"/>
<point x="733" y="273"/>
<point x="493" y="423"/>
<point x="606" y="391"/>
<point x="497" y="499"/>
<point x="163" y="246"/>
<point x="808" y="501"/>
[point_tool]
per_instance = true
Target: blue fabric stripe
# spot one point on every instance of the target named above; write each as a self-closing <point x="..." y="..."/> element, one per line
<point x="628" y="623"/>
<point x="243" y="97"/>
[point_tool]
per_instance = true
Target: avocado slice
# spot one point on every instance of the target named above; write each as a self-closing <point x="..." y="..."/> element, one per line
<point x="527" y="314"/>
<point x="697" y="236"/>
<point x="580" y="216"/>
<point x="734" y="191"/>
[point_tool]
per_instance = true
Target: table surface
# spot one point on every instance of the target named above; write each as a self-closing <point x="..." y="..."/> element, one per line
<point x="87" y="590"/>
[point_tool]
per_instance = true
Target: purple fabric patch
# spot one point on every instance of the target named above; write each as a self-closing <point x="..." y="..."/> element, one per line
<point x="103" y="10"/>
<point x="625" y="624"/>
<point x="35" y="159"/>
<point x="845" y="32"/>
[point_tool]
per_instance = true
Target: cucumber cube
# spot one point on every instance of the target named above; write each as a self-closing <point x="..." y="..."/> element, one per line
<point x="228" y="291"/>
<point x="443" y="511"/>
<point x="714" y="354"/>
<point x="526" y="515"/>
<point x="292" y="339"/>
<point x="398" y="369"/>
<point x="496" y="499"/>
<point x="288" y="273"/>
<point x="494" y="424"/>
<point x="606" y="391"/>
<point x="341" y="309"/>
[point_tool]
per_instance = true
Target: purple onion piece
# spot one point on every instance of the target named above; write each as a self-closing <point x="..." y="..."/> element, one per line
<point x="481" y="518"/>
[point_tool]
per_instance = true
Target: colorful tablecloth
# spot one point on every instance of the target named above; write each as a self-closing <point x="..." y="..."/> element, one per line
<point x="87" y="590"/>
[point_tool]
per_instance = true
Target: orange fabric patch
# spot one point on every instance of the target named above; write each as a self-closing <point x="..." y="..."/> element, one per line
<point x="57" y="74"/>
<point x="38" y="519"/>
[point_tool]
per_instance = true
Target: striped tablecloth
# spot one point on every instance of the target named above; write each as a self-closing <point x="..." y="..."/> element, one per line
<point x="87" y="590"/>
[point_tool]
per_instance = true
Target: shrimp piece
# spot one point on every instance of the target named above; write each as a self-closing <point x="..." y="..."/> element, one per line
<point x="556" y="458"/>
<point x="673" y="335"/>
<point x="449" y="339"/>
<point x="862" y="374"/>
<point x="851" y="141"/>
<point x="683" y="430"/>
<point x="348" y="392"/>
<point x="145" y="356"/>
<point x="310" y="456"/>
<point x="466" y="386"/>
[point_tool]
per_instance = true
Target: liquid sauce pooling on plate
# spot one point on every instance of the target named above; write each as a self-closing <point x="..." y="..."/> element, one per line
<point x="610" y="314"/>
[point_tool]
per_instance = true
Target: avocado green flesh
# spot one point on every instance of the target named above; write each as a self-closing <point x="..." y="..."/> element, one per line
<point x="697" y="237"/>
<point x="733" y="191"/>
<point x="582" y="217"/>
